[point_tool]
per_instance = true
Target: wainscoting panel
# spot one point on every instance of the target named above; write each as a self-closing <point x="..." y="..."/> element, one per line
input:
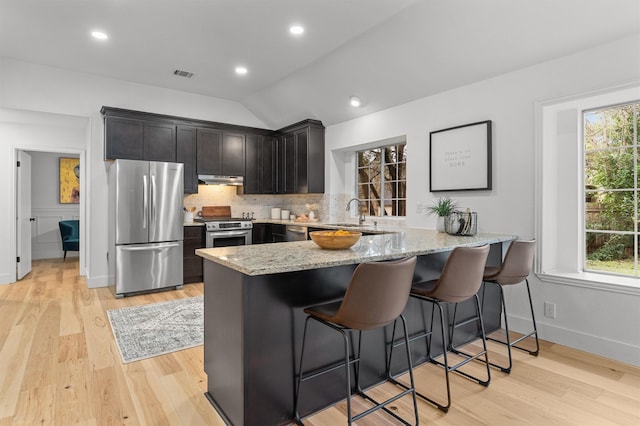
<point x="46" y="242"/>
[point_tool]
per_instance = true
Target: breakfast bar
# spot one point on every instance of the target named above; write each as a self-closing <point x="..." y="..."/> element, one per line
<point x="254" y="301"/>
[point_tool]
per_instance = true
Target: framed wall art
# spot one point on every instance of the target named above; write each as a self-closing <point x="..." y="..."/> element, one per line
<point x="69" y="180"/>
<point x="460" y="158"/>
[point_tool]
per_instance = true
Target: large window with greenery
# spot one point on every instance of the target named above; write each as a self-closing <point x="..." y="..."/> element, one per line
<point x="382" y="180"/>
<point x="611" y="189"/>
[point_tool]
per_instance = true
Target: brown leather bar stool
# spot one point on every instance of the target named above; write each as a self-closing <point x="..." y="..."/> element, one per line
<point x="377" y="294"/>
<point x="515" y="269"/>
<point x="459" y="281"/>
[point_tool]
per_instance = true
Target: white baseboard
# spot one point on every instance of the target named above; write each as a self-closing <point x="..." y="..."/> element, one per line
<point x="597" y="345"/>
<point x="7" y="279"/>
<point x="97" y="282"/>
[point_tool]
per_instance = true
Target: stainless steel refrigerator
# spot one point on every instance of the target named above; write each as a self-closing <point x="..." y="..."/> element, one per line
<point x="146" y="225"/>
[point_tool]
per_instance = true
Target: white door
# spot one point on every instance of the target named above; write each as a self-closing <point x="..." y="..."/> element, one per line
<point x="24" y="218"/>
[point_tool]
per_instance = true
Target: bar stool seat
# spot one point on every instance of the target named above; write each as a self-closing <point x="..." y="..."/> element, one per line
<point x="460" y="280"/>
<point x="377" y="294"/>
<point x="515" y="269"/>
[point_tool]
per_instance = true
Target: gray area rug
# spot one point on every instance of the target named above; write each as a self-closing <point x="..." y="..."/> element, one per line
<point x="158" y="328"/>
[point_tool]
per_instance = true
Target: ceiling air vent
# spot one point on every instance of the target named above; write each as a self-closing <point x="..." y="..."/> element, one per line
<point x="181" y="73"/>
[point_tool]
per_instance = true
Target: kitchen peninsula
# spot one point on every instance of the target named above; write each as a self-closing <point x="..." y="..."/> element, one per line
<point x="254" y="301"/>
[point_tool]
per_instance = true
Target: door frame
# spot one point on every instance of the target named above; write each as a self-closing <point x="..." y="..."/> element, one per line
<point x="82" y="207"/>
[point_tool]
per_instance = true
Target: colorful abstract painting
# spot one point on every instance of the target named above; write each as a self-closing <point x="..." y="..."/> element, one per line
<point x="69" y="180"/>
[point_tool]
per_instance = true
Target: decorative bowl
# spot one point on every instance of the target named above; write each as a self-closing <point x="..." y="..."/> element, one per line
<point x="335" y="240"/>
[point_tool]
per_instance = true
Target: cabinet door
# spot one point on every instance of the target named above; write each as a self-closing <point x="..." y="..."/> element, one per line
<point x="159" y="142"/>
<point x="301" y="178"/>
<point x="269" y="173"/>
<point x="258" y="233"/>
<point x="315" y="160"/>
<point x="209" y="146"/>
<point x="192" y="269"/>
<point x="260" y="164"/>
<point x="233" y="154"/>
<point x="253" y="165"/>
<point x="123" y="138"/>
<point x="186" y="153"/>
<point x="287" y="166"/>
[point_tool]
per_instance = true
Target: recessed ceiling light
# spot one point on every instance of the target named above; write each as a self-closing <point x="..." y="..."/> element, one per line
<point x="355" y="101"/>
<point x="240" y="70"/>
<point x="296" y="29"/>
<point x="99" y="35"/>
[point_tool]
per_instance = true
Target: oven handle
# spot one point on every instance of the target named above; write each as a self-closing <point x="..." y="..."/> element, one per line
<point x="216" y="234"/>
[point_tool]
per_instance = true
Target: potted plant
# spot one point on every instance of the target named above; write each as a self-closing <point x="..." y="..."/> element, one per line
<point x="442" y="208"/>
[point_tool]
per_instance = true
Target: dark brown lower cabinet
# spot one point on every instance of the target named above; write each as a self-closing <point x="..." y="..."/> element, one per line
<point x="192" y="264"/>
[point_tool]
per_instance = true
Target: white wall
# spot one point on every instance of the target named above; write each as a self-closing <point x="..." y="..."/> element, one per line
<point x="48" y="109"/>
<point x="46" y="209"/>
<point x="598" y="321"/>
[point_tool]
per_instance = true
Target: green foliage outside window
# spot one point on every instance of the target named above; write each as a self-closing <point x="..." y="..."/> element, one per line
<point x="611" y="189"/>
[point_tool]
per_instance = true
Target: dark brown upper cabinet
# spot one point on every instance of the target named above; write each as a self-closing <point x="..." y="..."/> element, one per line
<point x="260" y="176"/>
<point x="123" y="138"/>
<point x="139" y="140"/>
<point x="186" y="153"/>
<point x="220" y="153"/>
<point x="159" y="142"/>
<point x="286" y="161"/>
<point x="233" y="154"/>
<point x="209" y="143"/>
<point x="301" y="158"/>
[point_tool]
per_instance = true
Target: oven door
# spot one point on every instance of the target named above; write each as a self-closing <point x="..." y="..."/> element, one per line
<point x="240" y="237"/>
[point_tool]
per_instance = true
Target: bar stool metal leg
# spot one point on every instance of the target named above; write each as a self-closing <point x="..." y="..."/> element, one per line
<point x="471" y="357"/>
<point x="348" y="361"/>
<point x="509" y="344"/>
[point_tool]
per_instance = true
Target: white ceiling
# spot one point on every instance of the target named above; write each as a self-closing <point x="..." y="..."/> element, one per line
<point x="387" y="52"/>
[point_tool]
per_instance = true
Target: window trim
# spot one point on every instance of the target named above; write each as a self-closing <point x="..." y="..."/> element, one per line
<point x="558" y="127"/>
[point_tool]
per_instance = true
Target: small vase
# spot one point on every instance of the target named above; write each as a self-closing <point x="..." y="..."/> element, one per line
<point x="440" y="224"/>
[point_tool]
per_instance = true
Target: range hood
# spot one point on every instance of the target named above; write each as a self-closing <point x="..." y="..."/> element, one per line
<point x="220" y="180"/>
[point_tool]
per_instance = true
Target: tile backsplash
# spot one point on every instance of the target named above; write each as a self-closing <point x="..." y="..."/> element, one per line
<point x="260" y="205"/>
<point x="331" y="207"/>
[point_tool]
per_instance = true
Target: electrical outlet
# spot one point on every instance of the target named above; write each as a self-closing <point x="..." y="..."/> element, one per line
<point x="549" y="310"/>
<point x="418" y="207"/>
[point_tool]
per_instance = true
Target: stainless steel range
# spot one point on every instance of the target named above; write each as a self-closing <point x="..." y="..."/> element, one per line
<point x="226" y="232"/>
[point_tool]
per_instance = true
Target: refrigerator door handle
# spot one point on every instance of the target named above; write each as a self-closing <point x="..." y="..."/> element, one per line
<point x="145" y="202"/>
<point x="155" y="248"/>
<point x="153" y="201"/>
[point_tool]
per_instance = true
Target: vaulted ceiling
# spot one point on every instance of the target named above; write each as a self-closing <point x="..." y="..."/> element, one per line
<point x="387" y="52"/>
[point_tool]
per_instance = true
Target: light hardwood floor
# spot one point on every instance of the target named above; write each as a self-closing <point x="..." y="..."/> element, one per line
<point x="59" y="365"/>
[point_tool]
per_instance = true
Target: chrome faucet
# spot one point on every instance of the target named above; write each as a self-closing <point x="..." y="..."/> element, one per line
<point x="360" y="214"/>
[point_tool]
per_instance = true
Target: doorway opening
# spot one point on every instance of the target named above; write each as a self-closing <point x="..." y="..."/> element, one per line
<point x="43" y="178"/>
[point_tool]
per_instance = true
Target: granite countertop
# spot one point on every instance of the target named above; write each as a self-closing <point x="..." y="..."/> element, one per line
<point x="264" y="259"/>
<point x="366" y="227"/>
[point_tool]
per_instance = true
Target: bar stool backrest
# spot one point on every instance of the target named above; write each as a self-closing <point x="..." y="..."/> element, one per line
<point x="517" y="263"/>
<point x="378" y="293"/>
<point x="461" y="276"/>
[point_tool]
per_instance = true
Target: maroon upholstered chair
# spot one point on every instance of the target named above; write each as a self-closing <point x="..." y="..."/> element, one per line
<point x="377" y="294"/>
<point x="515" y="269"/>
